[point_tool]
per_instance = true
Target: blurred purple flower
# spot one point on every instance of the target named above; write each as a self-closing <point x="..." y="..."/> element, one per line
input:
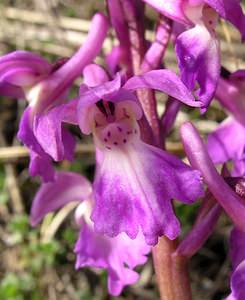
<point x="198" y="48"/>
<point x="27" y="75"/>
<point x="119" y="255"/>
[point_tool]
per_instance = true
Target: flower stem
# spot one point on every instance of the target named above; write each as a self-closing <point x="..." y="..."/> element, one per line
<point x="171" y="271"/>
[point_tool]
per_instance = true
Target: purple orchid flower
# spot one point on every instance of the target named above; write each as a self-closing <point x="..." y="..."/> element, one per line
<point x="129" y="197"/>
<point x="119" y="255"/>
<point x="227" y="142"/>
<point x="237" y="246"/>
<point x="198" y="48"/>
<point x="27" y="75"/>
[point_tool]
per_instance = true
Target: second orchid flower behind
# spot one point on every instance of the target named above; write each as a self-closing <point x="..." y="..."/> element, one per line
<point x="135" y="182"/>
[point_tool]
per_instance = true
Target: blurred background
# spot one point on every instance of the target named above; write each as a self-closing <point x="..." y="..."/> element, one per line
<point x="38" y="264"/>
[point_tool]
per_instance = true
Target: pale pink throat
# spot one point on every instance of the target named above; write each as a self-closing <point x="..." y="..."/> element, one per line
<point x="114" y="124"/>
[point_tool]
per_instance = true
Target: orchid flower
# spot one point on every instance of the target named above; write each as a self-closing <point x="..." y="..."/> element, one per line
<point x="27" y="75"/>
<point x="198" y="48"/>
<point x="237" y="246"/>
<point x="227" y="142"/>
<point x="128" y="196"/>
<point x="119" y="255"/>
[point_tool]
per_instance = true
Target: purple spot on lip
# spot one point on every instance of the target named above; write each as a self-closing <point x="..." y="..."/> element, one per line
<point x="108" y="147"/>
<point x="125" y="141"/>
<point x="115" y="143"/>
<point x="129" y="132"/>
<point x="105" y="140"/>
<point x="119" y="128"/>
<point x="108" y="133"/>
<point x="135" y="131"/>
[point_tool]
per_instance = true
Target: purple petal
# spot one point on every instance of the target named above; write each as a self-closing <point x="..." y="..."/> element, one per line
<point x="11" y="91"/>
<point x="171" y="9"/>
<point x="237" y="246"/>
<point x="25" y="59"/>
<point x="87" y="52"/>
<point x="227" y="142"/>
<point x="128" y="195"/>
<point x="66" y="188"/>
<point x="240" y="74"/>
<point x="41" y="165"/>
<point x="200" y="160"/>
<point x="230" y="93"/>
<point x="94" y="75"/>
<point x="58" y="83"/>
<point x="113" y="59"/>
<point x="199" y="61"/>
<point x="239" y="168"/>
<point x="120" y="55"/>
<point x="168" y="119"/>
<point x="231" y="11"/>
<point x="198" y="235"/>
<point x="50" y="133"/>
<point x="238" y="282"/>
<point x="165" y="81"/>
<point x="118" y="255"/>
<point x="20" y="76"/>
<point x="40" y="162"/>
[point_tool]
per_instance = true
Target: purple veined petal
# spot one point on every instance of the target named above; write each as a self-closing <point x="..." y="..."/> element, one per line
<point x="129" y="196"/>
<point x="11" y="91"/>
<point x="198" y="55"/>
<point x="200" y="160"/>
<point x="198" y="235"/>
<point x="20" y="76"/>
<point x="50" y="133"/>
<point x="165" y="81"/>
<point x="227" y="142"/>
<point x="230" y="11"/>
<point x="66" y="188"/>
<point x="117" y="255"/>
<point x="94" y="75"/>
<point x="41" y="165"/>
<point x="40" y="162"/>
<point x="171" y="9"/>
<point x="25" y="59"/>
